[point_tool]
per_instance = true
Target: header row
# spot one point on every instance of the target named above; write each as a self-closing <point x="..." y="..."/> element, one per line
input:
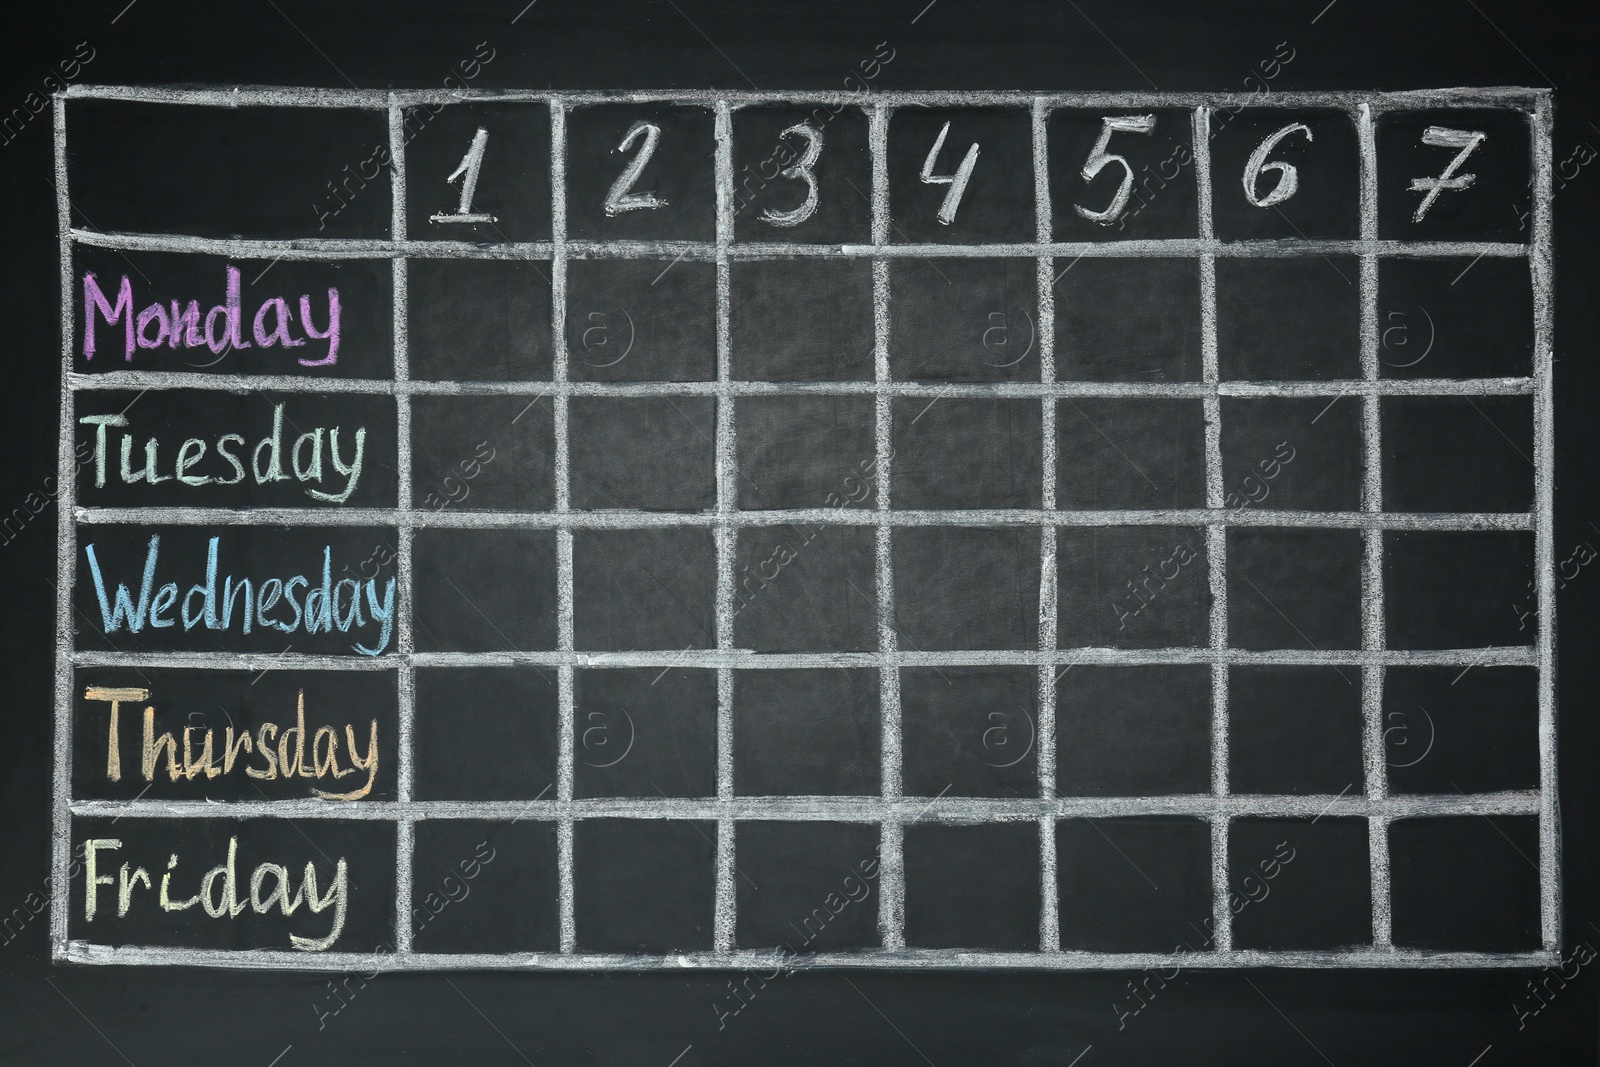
<point x="829" y="174"/>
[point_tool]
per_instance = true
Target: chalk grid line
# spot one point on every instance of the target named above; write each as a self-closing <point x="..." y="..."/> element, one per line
<point x="405" y="637"/>
<point x="1374" y="760"/>
<point x="727" y="479"/>
<point x="66" y="559"/>
<point x="566" y="610"/>
<point x="383" y="387"/>
<point x="1542" y="265"/>
<point x="742" y="659"/>
<point x="286" y="96"/>
<point x="1049" y="618"/>
<point x="353" y="248"/>
<point x="1216" y="535"/>
<point x="891" y="832"/>
<point x="891" y="809"/>
<point x="850" y="809"/>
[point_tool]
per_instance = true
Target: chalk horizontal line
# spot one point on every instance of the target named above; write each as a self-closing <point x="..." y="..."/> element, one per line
<point x="765" y="960"/>
<point x="1518" y="97"/>
<point x="283" y="383"/>
<point x="908" y="809"/>
<point x="325" y="248"/>
<point x="862" y="516"/>
<point x="746" y="659"/>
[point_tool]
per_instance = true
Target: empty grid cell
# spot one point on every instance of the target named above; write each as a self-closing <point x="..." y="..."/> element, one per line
<point x="806" y="451"/>
<point x="1305" y="185"/>
<point x="644" y="732"/>
<point x="972" y="886"/>
<point x="641" y="320"/>
<point x="1457" y="589"/>
<point x="509" y="171"/>
<point x="1127" y="320"/>
<point x="650" y="453"/>
<point x="969" y="731"/>
<point x="1133" y="731"/>
<point x="952" y="452"/>
<point x="643" y="589"/>
<point x="1458" y="453"/>
<point x="1132" y="587"/>
<point x="484" y="590"/>
<point x="966" y="587"/>
<point x="800" y="319"/>
<point x="1115" y="453"/>
<point x="1120" y="174"/>
<point x="480" y="886"/>
<point x="964" y="320"/>
<point x="463" y="713"/>
<point x="806" y="732"/>
<point x="1455" y="317"/>
<point x="1465" y="883"/>
<point x="960" y="175"/>
<point x="1299" y="883"/>
<point x="478" y="320"/>
<point x="643" y="885"/>
<point x="812" y="886"/>
<point x="1292" y="453"/>
<point x="774" y="200"/>
<point x="806" y="588"/>
<point x="1135" y="884"/>
<point x="1294" y="588"/>
<point x="1295" y="730"/>
<point x="285" y="171"/>
<point x="482" y="453"/>
<point x="1449" y="730"/>
<point x="1484" y="152"/>
<point x="640" y="172"/>
<point x="1289" y="318"/>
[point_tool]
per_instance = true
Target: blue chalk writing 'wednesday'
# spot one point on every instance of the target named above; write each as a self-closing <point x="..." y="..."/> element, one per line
<point x="322" y="608"/>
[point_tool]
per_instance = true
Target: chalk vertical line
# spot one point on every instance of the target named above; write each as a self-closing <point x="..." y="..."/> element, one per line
<point x="405" y="630"/>
<point x="1372" y="610"/>
<point x="1544" y="443"/>
<point x="566" y="703"/>
<point x="892" y="883"/>
<point x="397" y="170"/>
<point x="1216" y="533"/>
<point x="727" y="469"/>
<point x="1045" y="731"/>
<point x="66" y="558"/>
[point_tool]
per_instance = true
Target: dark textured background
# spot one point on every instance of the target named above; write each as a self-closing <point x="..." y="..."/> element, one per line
<point x="60" y="1015"/>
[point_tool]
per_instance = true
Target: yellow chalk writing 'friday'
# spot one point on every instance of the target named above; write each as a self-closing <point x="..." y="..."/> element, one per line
<point x="224" y="901"/>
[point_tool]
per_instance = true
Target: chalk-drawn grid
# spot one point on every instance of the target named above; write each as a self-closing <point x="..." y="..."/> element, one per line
<point x="891" y="810"/>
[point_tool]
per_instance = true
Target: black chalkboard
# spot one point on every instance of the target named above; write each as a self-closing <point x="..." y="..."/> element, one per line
<point x="929" y="535"/>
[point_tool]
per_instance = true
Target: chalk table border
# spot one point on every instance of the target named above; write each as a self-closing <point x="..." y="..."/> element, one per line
<point x="891" y="810"/>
